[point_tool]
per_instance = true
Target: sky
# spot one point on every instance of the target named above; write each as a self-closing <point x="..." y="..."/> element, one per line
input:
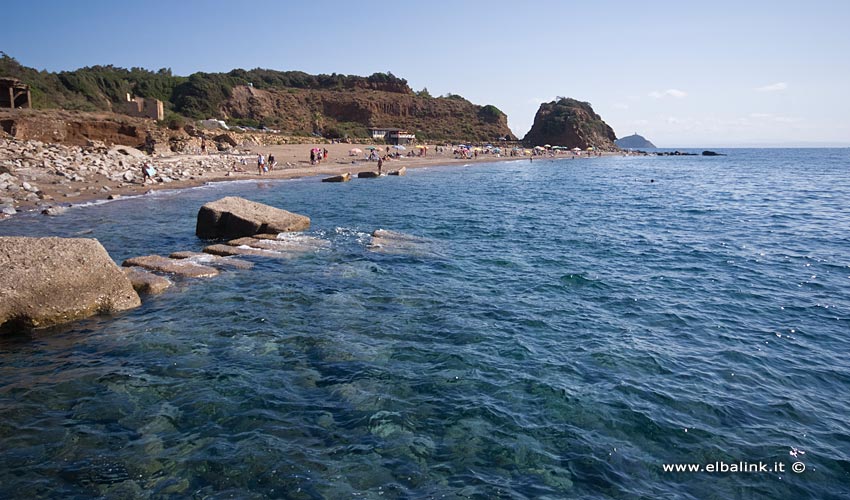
<point x="682" y="74"/>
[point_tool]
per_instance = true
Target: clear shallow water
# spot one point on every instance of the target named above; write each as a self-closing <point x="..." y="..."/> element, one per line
<point x="567" y="328"/>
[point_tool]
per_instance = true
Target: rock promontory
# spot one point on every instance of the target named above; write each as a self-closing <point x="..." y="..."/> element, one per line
<point x="234" y="217"/>
<point x="570" y="123"/>
<point x="49" y="281"/>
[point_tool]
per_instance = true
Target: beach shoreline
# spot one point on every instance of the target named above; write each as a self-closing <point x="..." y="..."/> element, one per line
<point x="292" y="163"/>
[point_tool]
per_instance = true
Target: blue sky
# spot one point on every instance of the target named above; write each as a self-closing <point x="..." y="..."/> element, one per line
<point x="715" y="74"/>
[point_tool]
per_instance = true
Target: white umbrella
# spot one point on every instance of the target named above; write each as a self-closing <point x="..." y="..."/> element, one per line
<point x="399" y="147"/>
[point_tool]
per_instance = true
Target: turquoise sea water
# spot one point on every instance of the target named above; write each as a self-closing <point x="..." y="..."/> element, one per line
<point x="565" y="329"/>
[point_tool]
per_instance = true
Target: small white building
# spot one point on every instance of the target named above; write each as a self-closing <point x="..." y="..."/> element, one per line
<point x="392" y="135"/>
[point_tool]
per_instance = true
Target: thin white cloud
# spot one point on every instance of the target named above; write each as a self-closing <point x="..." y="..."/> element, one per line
<point x="773" y="87"/>
<point x="621" y="105"/>
<point x="678" y="94"/>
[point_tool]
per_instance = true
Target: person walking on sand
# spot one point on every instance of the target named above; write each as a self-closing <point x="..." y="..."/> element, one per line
<point x="261" y="163"/>
<point x="272" y="163"/>
<point x="380" y="164"/>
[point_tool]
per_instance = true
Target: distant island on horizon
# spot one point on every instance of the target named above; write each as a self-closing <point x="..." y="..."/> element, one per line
<point x="634" y="141"/>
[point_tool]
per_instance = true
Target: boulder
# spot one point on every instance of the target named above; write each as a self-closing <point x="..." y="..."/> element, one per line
<point x="48" y="281"/>
<point x="177" y="267"/>
<point x="233" y="217"/>
<point x="338" y="178"/>
<point x="367" y="175"/>
<point x="128" y="151"/>
<point x="54" y="211"/>
<point x="225" y="139"/>
<point x="147" y="282"/>
<point x="401" y="171"/>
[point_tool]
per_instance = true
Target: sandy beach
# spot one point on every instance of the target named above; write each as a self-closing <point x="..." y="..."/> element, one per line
<point x="51" y="188"/>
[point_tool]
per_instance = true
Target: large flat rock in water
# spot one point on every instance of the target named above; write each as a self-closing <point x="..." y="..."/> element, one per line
<point x="207" y="259"/>
<point x="234" y="217"/>
<point x="48" y="281"/>
<point x="179" y="267"/>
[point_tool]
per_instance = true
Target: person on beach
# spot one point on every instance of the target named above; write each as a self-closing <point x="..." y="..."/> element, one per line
<point x="325" y="154"/>
<point x="272" y="163"/>
<point x="203" y="146"/>
<point x="380" y="164"/>
<point x="147" y="172"/>
<point x="312" y="157"/>
<point x="261" y="164"/>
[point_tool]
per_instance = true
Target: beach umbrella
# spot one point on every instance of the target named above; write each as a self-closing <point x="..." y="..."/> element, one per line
<point x="354" y="151"/>
<point x="547" y="146"/>
<point x="399" y="147"/>
<point x="576" y="149"/>
<point x="371" y="148"/>
<point x="421" y="147"/>
<point x="590" y="148"/>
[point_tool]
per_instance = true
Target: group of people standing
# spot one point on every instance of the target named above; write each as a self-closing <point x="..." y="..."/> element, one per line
<point x="265" y="165"/>
<point x="317" y="155"/>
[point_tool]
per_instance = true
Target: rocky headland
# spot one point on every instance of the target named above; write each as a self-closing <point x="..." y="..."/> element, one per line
<point x="572" y="124"/>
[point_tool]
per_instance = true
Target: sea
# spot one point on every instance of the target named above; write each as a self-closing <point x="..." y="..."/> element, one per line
<point x="641" y="327"/>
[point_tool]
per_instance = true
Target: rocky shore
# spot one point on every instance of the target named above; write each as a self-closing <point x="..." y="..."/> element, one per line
<point x="49" y="177"/>
<point x="38" y="175"/>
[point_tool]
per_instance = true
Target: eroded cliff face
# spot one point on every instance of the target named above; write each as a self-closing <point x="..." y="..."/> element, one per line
<point x="300" y="111"/>
<point x="571" y="123"/>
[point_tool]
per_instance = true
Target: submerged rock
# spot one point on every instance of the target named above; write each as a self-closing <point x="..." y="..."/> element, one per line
<point x="227" y="250"/>
<point x="368" y="174"/>
<point x="49" y="281"/>
<point x="233" y="217"/>
<point x="212" y="260"/>
<point x="392" y="242"/>
<point x="298" y="245"/>
<point x="401" y="171"/>
<point x="184" y="268"/>
<point x="147" y="282"/>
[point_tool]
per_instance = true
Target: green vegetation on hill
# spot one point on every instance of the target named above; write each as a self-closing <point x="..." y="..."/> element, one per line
<point x="291" y="101"/>
<point x="100" y="88"/>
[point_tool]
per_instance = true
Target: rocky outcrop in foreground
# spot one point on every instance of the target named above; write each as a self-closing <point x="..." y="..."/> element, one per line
<point x="49" y="281"/>
<point x="234" y="217"/>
